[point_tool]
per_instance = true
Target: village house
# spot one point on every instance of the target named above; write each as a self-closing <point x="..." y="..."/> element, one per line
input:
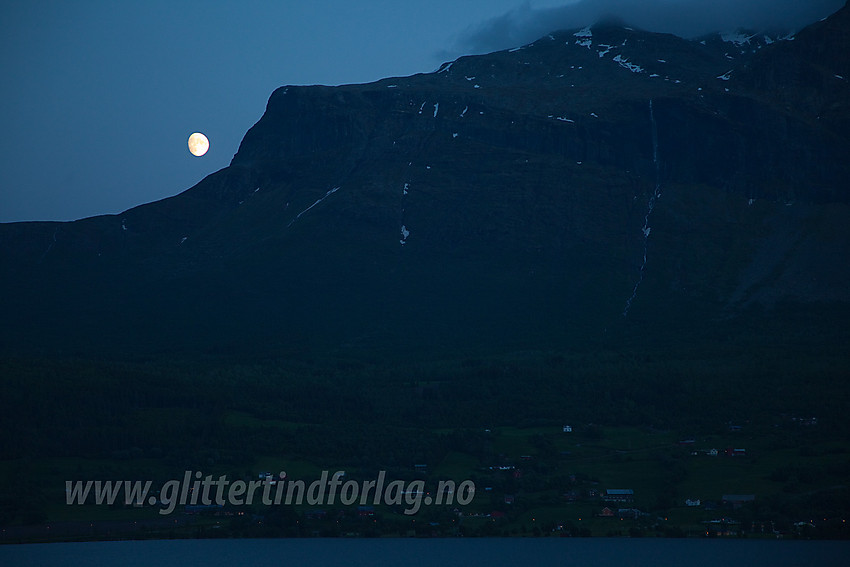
<point x="619" y="495"/>
<point x="630" y="513"/>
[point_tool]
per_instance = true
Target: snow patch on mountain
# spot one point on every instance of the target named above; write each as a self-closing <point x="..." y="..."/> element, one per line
<point x="584" y="37"/>
<point x="298" y="216"/>
<point x="737" y="38"/>
<point x="624" y="63"/>
<point x="607" y="49"/>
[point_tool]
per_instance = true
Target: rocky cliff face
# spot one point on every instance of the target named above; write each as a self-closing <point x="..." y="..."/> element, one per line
<point x="591" y="180"/>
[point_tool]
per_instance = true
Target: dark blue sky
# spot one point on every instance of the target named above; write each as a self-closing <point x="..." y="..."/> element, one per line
<point x="97" y="98"/>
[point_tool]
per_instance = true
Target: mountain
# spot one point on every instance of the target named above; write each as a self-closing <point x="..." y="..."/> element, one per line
<point x="594" y="186"/>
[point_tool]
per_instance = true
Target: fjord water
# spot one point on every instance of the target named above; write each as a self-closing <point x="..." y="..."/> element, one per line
<point x="413" y="553"/>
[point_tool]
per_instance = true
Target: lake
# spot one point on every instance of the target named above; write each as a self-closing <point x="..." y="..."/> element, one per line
<point x="420" y="552"/>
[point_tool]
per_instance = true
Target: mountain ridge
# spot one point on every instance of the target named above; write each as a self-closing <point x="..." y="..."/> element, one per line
<point x="522" y="195"/>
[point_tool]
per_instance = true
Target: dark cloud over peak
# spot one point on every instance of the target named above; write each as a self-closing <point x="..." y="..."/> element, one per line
<point x="685" y="18"/>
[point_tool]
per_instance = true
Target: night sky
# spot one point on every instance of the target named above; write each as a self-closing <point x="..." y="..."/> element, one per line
<point x="97" y="99"/>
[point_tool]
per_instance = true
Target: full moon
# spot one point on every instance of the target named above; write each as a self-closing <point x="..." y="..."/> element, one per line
<point x="198" y="144"/>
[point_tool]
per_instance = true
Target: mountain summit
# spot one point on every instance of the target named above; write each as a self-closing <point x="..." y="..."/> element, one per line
<point x="595" y="181"/>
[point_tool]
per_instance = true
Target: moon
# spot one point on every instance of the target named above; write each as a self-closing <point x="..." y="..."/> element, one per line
<point x="198" y="144"/>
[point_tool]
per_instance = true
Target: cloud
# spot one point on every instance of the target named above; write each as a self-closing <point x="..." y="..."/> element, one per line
<point x="685" y="18"/>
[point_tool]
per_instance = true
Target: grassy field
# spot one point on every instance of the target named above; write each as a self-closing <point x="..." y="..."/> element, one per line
<point x="538" y="481"/>
<point x="640" y="420"/>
